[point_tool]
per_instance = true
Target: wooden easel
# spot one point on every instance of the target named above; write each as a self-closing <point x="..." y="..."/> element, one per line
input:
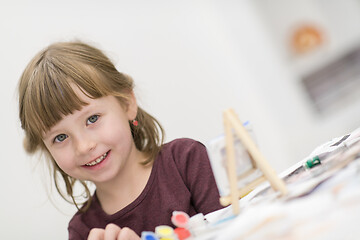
<point x="231" y="121"/>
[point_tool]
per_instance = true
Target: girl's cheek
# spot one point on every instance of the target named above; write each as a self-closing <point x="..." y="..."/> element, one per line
<point x="62" y="158"/>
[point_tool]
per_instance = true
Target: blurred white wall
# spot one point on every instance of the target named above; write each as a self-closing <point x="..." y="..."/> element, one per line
<point x="190" y="60"/>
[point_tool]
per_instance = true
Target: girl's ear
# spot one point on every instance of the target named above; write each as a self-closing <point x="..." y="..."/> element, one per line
<point x="132" y="106"/>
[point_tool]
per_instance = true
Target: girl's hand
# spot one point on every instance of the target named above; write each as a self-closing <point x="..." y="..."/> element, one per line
<point x="112" y="232"/>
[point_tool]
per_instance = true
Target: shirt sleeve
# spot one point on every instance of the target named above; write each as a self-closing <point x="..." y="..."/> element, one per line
<point x="77" y="229"/>
<point x="73" y="235"/>
<point x="195" y="169"/>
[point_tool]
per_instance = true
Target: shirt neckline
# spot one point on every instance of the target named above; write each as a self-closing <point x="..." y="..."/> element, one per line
<point x="132" y="205"/>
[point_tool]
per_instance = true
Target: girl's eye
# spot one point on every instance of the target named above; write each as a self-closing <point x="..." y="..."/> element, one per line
<point x="92" y="119"/>
<point x="60" y="138"/>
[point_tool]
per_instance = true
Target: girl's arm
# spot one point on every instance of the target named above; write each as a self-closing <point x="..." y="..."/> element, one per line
<point x="194" y="166"/>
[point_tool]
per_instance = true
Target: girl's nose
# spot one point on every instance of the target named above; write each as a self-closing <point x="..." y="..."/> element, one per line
<point x="85" y="145"/>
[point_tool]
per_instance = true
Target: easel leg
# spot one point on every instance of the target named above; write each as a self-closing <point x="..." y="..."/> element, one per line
<point x="231" y="165"/>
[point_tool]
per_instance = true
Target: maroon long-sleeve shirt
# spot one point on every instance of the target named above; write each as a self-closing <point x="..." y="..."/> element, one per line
<point x="181" y="180"/>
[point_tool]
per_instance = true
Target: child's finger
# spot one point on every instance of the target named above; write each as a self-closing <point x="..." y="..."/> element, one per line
<point x="127" y="234"/>
<point x="96" y="234"/>
<point x="111" y="232"/>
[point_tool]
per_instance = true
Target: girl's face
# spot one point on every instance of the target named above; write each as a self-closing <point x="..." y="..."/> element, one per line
<point x="94" y="143"/>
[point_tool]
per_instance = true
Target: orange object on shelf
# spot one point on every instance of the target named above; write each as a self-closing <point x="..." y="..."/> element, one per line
<point x="306" y="38"/>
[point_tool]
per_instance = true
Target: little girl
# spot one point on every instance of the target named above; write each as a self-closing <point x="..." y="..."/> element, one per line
<point x="75" y="107"/>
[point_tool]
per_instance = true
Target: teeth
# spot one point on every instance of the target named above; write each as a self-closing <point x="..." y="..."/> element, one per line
<point x="98" y="160"/>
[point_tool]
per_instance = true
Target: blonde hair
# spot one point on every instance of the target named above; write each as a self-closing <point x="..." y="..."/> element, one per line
<point x="46" y="95"/>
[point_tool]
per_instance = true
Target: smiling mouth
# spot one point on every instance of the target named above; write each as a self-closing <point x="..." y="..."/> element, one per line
<point x="97" y="161"/>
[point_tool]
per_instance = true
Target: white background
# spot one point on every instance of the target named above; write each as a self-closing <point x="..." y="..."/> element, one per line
<point x="190" y="60"/>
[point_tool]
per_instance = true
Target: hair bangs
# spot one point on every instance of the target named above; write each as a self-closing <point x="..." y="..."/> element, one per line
<point x="50" y="93"/>
<point x="80" y="74"/>
<point x="50" y="97"/>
